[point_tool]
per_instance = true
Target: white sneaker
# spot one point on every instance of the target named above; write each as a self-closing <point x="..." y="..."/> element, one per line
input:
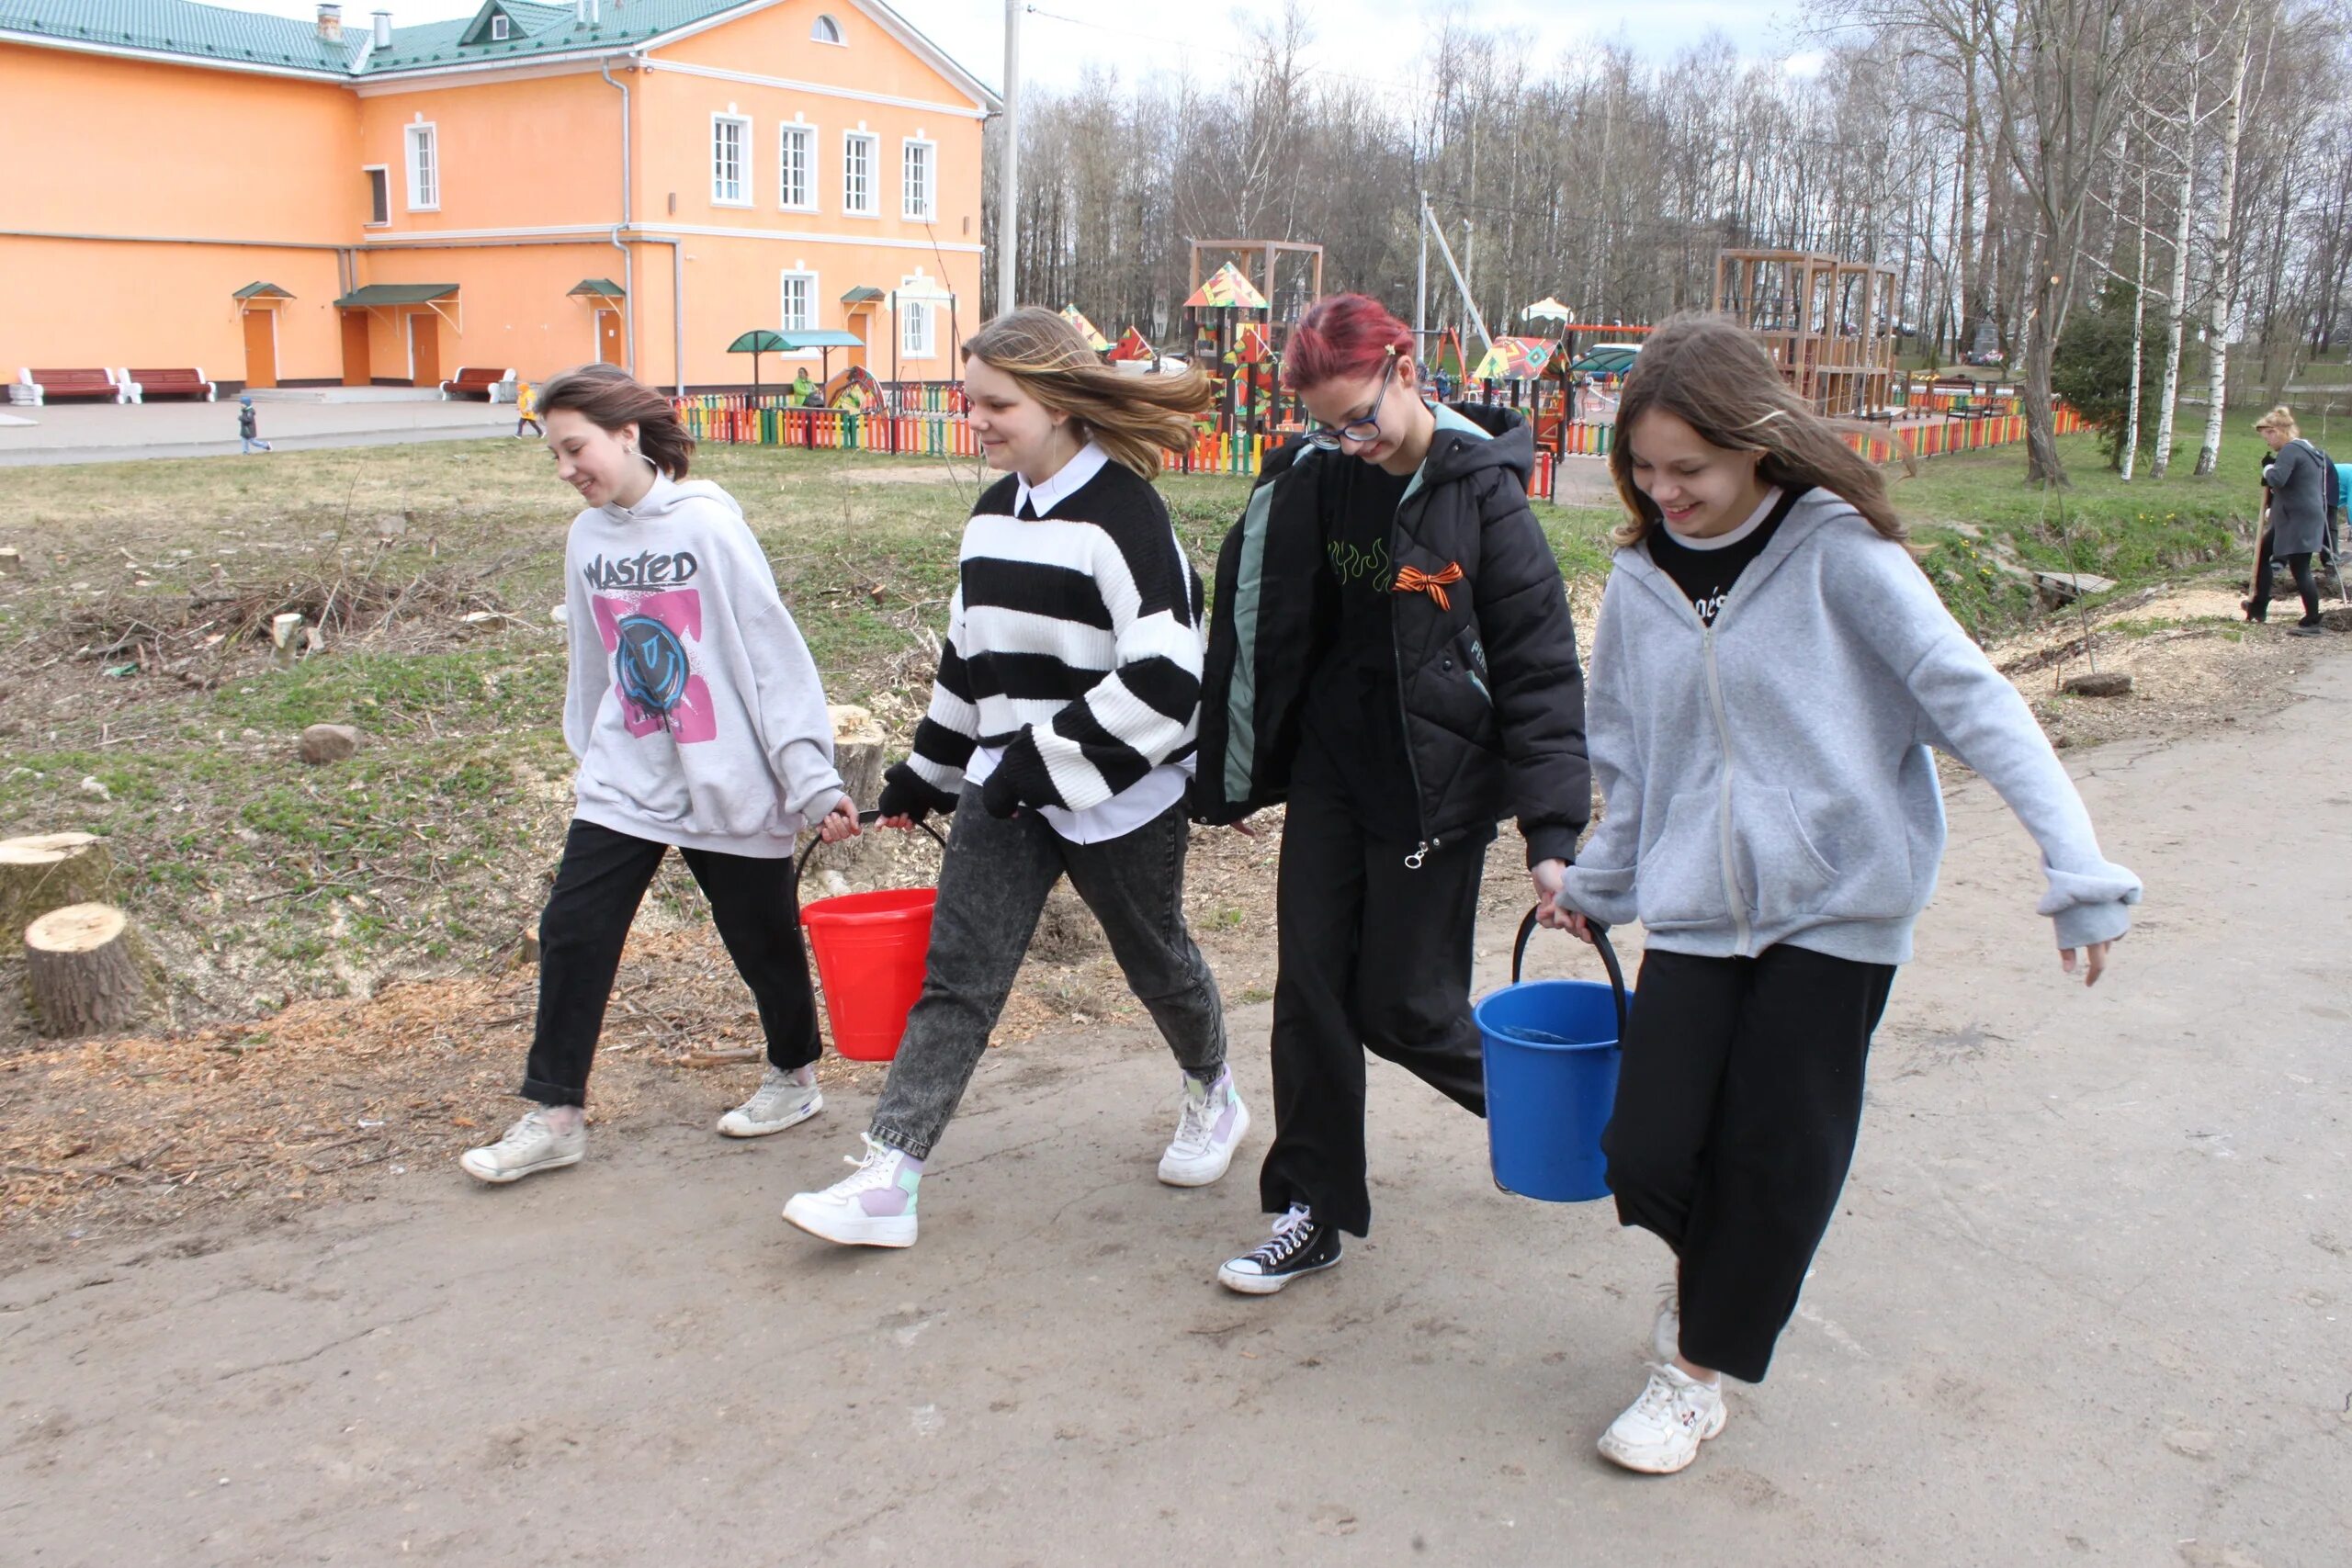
<point x="781" y="1101"/>
<point x="1660" y="1432"/>
<point x="876" y="1207"/>
<point x="1665" y="1330"/>
<point x="528" y="1148"/>
<point x="1209" y="1127"/>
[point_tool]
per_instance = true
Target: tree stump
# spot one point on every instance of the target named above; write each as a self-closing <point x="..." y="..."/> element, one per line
<point x="87" y="970"/>
<point x="49" y="871"/>
<point x="12" y="561"/>
<point x="857" y="753"/>
<point x="2103" y="683"/>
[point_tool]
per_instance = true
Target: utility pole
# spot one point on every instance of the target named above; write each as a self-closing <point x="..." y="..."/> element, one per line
<point x="1421" y="303"/>
<point x="1008" y="213"/>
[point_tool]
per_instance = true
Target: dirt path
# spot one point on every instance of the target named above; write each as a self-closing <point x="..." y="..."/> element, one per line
<point x="2088" y="1300"/>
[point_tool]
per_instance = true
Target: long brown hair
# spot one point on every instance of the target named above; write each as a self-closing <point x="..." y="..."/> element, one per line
<point x="1133" y="418"/>
<point x="609" y="397"/>
<point x="1710" y="372"/>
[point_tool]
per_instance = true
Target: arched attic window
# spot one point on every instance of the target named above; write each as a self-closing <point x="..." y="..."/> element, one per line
<point x="824" y="29"/>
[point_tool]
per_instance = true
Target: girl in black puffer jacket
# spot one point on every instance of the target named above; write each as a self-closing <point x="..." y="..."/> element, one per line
<point x="1391" y="654"/>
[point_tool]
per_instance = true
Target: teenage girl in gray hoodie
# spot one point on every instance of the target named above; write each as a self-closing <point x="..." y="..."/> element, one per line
<point x="1769" y="671"/>
<point x="700" y="725"/>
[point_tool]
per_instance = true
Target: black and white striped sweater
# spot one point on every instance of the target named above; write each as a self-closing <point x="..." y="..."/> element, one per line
<point x="1074" y="647"/>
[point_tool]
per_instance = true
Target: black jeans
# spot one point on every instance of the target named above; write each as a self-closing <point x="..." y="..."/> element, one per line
<point x="992" y="887"/>
<point x="597" y="889"/>
<point x="1738" y="1104"/>
<point x="2299" y="563"/>
<point x="1372" y="953"/>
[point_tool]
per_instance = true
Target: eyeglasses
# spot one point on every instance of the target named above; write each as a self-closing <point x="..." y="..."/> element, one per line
<point x="1362" y="431"/>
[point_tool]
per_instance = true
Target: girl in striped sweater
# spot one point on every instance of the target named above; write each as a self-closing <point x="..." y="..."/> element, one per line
<point x="1061" y="735"/>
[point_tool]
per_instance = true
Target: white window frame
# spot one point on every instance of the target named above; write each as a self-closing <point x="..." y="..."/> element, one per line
<point x="810" y="146"/>
<point x="742" y="123"/>
<point x="784" y="314"/>
<point x="501" y="28"/>
<point x="927" y="209"/>
<point x="816" y="31"/>
<point x="915" y="345"/>
<point x="424" y="195"/>
<point x="872" y="204"/>
<point x="372" y="222"/>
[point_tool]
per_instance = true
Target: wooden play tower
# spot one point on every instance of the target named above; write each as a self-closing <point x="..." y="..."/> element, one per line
<point x="1828" y="325"/>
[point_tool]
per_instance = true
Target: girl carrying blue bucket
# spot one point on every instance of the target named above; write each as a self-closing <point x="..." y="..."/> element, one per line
<point x="1769" y="671"/>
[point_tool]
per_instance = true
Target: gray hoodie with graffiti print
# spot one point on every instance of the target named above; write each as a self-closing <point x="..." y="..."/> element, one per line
<point x="1769" y="779"/>
<point x="694" y="709"/>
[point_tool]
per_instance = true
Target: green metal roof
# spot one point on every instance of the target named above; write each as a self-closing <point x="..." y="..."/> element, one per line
<point x="395" y="294"/>
<point x="860" y="296"/>
<point x="221" y="33"/>
<point x="261" y="292"/>
<point x="759" y="340"/>
<point x="597" y="287"/>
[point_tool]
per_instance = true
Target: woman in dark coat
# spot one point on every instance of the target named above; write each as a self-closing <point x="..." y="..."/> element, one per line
<point x="2296" y="526"/>
<point x="1391" y="654"/>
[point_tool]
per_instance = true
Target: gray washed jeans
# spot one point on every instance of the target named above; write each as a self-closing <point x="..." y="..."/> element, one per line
<point x="991" y="890"/>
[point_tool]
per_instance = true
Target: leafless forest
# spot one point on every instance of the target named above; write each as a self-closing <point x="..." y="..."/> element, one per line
<point x="2005" y="156"/>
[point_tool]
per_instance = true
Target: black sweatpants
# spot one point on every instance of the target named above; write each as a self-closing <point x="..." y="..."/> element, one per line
<point x="597" y="889"/>
<point x="1737" y="1103"/>
<point x="2300" y="564"/>
<point x="1372" y="953"/>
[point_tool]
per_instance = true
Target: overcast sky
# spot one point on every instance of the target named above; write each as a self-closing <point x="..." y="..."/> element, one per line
<point x="1060" y="38"/>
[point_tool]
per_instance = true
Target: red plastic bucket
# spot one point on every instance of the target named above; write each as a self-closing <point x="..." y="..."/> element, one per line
<point x="870" y="949"/>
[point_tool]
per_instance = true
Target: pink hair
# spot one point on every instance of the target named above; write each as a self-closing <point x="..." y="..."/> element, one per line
<point x="1342" y="336"/>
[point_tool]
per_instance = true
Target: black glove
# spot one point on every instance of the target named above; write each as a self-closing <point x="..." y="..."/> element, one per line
<point x="999" y="795"/>
<point x="904" y="794"/>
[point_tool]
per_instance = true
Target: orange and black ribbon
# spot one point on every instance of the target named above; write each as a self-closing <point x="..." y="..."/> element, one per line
<point x="1413" y="580"/>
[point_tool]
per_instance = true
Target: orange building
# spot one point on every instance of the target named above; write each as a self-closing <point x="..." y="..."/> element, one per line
<point x="639" y="181"/>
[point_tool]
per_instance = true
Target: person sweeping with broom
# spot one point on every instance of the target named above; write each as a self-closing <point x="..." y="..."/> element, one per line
<point x="1060" y="734"/>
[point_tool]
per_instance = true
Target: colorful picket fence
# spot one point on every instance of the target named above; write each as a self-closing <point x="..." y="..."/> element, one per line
<point x="939" y="429"/>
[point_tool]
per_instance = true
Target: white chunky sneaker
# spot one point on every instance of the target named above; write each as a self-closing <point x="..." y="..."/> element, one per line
<point x="528" y="1148"/>
<point x="874" y="1207"/>
<point x="1660" y="1432"/>
<point x="781" y="1101"/>
<point x="1666" y="1331"/>
<point x="1209" y="1126"/>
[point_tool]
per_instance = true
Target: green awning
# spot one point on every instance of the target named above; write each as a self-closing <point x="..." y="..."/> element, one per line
<point x="763" y="341"/>
<point x="598" y="288"/>
<point x="826" y="339"/>
<point x="261" y="292"/>
<point x="861" y="296"/>
<point x="379" y="294"/>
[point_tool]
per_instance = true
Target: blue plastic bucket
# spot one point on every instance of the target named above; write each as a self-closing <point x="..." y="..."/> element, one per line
<point x="1551" y="1054"/>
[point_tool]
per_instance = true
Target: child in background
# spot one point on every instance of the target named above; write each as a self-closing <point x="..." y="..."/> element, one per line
<point x="249" y="428"/>
<point x="700" y="724"/>
<point x="527" y="409"/>
<point x="1770" y="669"/>
<point x="1060" y="734"/>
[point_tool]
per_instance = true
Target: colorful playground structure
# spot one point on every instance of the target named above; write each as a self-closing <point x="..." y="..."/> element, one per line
<point x="1828" y="325"/>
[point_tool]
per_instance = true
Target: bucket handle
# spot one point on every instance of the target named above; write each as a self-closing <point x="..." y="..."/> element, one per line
<point x="800" y="861"/>
<point x="1600" y="940"/>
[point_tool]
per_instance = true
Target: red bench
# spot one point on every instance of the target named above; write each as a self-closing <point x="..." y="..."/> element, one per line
<point x="48" y="384"/>
<point x="475" y="381"/>
<point x="185" y="382"/>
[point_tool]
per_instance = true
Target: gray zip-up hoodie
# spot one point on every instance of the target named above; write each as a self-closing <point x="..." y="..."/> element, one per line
<point x="694" y="707"/>
<point x="1768" y="779"/>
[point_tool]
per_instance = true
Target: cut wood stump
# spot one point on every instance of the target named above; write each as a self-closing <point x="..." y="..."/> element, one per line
<point x="857" y="753"/>
<point x="12" y="561"/>
<point x="2104" y="683"/>
<point x="86" y="971"/>
<point x="49" y="871"/>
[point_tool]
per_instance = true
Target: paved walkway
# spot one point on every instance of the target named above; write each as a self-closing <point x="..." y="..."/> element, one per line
<point x="110" y="433"/>
<point x="2088" y="1300"/>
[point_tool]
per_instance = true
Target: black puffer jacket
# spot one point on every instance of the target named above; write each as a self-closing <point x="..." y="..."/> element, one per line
<point x="1493" y="696"/>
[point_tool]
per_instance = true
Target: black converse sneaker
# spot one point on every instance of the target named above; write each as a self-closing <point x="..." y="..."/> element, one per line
<point x="1301" y="1245"/>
